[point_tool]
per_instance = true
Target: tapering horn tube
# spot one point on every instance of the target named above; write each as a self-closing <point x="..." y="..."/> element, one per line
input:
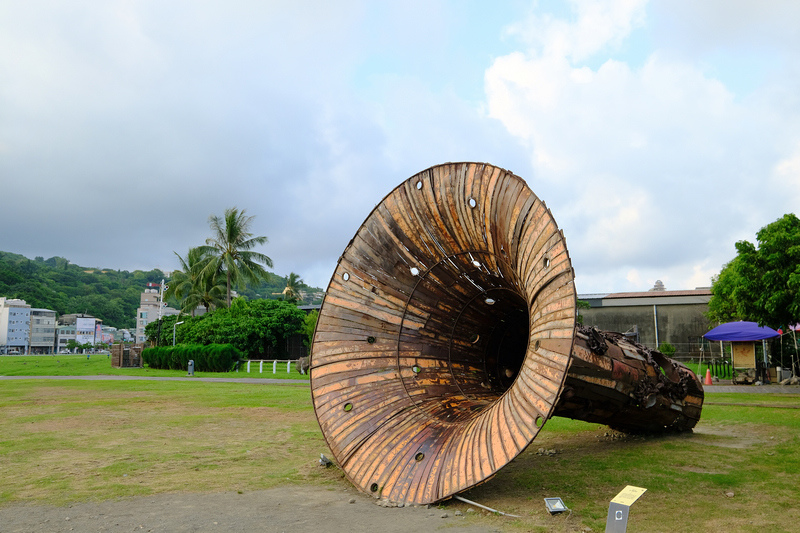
<point x="446" y="336"/>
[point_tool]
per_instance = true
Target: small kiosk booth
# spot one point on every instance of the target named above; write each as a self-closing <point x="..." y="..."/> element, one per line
<point x="743" y="336"/>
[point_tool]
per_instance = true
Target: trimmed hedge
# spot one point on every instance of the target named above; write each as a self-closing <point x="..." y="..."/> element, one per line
<point x="207" y="358"/>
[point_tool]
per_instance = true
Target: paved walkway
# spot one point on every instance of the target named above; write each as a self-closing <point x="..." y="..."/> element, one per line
<point x="727" y="386"/>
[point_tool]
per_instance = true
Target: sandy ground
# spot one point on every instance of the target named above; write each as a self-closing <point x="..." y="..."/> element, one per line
<point x="286" y="509"/>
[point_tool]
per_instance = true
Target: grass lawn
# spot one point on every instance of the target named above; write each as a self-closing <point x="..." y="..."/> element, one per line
<point x="100" y="365"/>
<point x="75" y="440"/>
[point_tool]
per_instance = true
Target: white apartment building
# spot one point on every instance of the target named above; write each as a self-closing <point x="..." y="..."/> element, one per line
<point x="15" y="326"/>
<point x="150" y="309"/>
<point x="43" y="331"/>
<point x="83" y="329"/>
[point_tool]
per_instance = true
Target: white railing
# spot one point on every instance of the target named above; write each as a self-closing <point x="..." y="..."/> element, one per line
<point x="274" y="362"/>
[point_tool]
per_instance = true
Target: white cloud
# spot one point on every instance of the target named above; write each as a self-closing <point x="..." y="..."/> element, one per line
<point x="599" y="25"/>
<point x="657" y="165"/>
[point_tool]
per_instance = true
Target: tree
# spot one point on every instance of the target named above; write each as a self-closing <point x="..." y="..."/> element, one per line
<point x="193" y="285"/>
<point x="723" y="307"/>
<point x="72" y="345"/>
<point x="292" y="291"/>
<point x="762" y="283"/>
<point x="231" y="249"/>
<point x="258" y="328"/>
<point x="310" y="327"/>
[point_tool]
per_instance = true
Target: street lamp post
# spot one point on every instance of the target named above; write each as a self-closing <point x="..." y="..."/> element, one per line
<point x="175" y="325"/>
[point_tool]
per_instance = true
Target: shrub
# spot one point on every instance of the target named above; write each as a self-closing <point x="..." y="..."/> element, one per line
<point x="207" y="358"/>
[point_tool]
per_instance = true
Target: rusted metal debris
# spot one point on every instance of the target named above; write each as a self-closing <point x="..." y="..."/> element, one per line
<point x="628" y="386"/>
<point x="447" y="338"/>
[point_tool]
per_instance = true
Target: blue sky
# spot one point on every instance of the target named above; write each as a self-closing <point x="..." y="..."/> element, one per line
<point x="659" y="133"/>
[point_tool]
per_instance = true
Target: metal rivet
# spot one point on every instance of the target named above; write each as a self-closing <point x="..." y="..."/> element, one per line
<point x="345" y="276"/>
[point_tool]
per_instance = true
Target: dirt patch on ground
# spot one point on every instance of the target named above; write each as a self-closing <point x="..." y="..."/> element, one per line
<point x="738" y="437"/>
<point x="285" y="509"/>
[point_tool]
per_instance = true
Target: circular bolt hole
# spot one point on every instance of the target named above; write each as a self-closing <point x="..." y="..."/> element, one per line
<point x="345" y="276"/>
<point x="414" y="271"/>
<point x="536" y="345"/>
<point x="474" y="338"/>
<point x="472" y="202"/>
<point x="419" y="185"/>
<point x="546" y="262"/>
<point x="348" y="407"/>
<point x="489" y="301"/>
<point x="371" y="339"/>
<point x="476" y="263"/>
<point x="416" y="369"/>
<point x="419" y="457"/>
<point x="373" y="487"/>
<point x="539" y="421"/>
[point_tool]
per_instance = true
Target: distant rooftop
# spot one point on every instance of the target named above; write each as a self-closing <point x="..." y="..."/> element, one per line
<point x="659" y="294"/>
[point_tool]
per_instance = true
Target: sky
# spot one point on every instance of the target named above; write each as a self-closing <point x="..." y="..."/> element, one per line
<point x="658" y="133"/>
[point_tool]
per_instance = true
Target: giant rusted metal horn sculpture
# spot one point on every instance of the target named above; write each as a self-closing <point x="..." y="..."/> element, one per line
<point x="447" y="338"/>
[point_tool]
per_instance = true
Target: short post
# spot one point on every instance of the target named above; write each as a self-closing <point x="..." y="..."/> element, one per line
<point x="288" y="366"/>
<point x="619" y="509"/>
<point x="248" y="366"/>
<point x="191" y="367"/>
<point x="275" y="367"/>
<point x="261" y="367"/>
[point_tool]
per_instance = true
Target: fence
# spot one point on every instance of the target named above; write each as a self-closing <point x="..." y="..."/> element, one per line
<point x="274" y="362"/>
<point x="719" y="367"/>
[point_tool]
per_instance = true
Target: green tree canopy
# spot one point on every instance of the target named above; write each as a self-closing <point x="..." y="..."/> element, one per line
<point x="194" y="285"/>
<point x="254" y="327"/>
<point x="231" y="249"/>
<point x="762" y="283"/>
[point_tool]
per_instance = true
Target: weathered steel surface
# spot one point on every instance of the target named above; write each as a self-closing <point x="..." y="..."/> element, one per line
<point x="446" y="334"/>
<point x="614" y="381"/>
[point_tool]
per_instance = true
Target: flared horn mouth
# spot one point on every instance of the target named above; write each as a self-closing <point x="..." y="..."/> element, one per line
<point x="445" y="336"/>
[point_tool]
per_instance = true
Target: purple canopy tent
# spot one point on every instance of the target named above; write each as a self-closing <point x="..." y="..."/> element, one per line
<point x="740" y="331"/>
<point x="743" y="332"/>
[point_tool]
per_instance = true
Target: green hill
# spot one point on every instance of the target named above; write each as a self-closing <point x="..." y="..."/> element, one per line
<point x="112" y="295"/>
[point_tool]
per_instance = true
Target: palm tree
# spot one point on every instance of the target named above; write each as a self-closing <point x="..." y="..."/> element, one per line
<point x="292" y="291"/>
<point x="192" y="286"/>
<point x="211" y="294"/>
<point x="231" y="252"/>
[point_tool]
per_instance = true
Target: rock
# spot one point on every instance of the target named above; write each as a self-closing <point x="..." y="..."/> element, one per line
<point x="730" y="494"/>
<point x="444" y="515"/>
<point x="458" y="513"/>
<point x="352" y="500"/>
